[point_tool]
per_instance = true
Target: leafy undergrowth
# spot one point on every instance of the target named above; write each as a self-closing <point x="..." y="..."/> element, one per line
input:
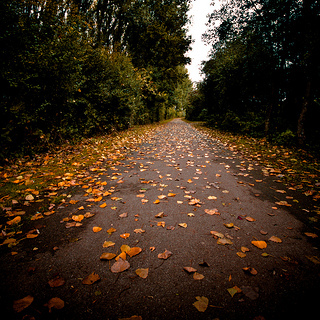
<point x="295" y="167"/>
<point x="42" y="180"/>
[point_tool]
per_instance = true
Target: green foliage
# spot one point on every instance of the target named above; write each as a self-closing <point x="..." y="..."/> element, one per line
<point x="77" y="68"/>
<point x="262" y="77"/>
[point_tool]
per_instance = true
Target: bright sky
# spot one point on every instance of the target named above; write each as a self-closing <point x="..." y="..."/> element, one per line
<point x="199" y="52"/>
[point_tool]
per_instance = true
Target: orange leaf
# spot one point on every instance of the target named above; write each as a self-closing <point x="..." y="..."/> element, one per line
<point x="107" y="256"/>
<point x="56" y="303"/>
<point x="103" y="205"/>
<point x="165" y="255"/>
<point x="134" y="251"/>
<point x="125" y="235"/>
<point x="111" y="230"/>
<point x="96" y="229"/>
<point x="91" y="278"/>
<point x="259" y="244"/>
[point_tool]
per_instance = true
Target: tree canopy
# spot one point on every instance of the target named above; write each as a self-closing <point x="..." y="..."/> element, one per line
<point x="263" y="74"/>
<point x="74" y="68"/>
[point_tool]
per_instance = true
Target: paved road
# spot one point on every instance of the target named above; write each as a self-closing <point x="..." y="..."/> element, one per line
<point x="203" y="187"/>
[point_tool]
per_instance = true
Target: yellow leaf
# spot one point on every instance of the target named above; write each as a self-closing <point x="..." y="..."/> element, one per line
<point x="107" y="244"/>
<point x="201" y="304"/>
<point x="125" y="248"/>
<point x="183" y="225"/>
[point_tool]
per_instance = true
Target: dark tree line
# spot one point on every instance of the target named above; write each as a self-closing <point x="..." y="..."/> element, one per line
<point x="263" y="75"/>
<point x="74" y="68"/>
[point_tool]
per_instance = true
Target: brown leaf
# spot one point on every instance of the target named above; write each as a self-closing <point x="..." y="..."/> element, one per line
<point x="107" y="244"/>
<point x="120" y="266"/>
<point x="165" y="255"/>
<point x="123" y="215"/>
<point x="91" y="278"/>
<point x="241" y="254"/>
<point x="190" y="269"/>
<point x="56" y="282"/>
<point x="55" y="303"/>
<point x="250" y="270"/>
<point x="312" y="235"/>
<point x="198" y="276"/>
<point x="250" y="219"/>
<point x="21" y="304"/>
<point x="275" y="239"/>
<point x="142" y="273"/>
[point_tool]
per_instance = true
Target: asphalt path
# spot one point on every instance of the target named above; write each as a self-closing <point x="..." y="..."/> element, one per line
<point x="192" y="200"/>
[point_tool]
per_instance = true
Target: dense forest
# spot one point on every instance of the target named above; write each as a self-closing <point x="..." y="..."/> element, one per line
<point x="76" y="68"/>
<point x="263" y="75"/>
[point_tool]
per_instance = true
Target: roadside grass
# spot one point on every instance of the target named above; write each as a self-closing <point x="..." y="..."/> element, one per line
<point x="44" y="180"/>
<point x="297" y="168"/>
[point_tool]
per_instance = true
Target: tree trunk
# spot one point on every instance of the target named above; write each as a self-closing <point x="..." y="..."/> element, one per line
<point x="301" y="121"/>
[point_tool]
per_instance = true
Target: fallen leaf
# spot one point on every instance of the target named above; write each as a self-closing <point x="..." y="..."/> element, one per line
<point x="134" y="251"/>
<point x="159" y="215"/>
<point x="152" y="248"/>
<point x="142" y="273"/>
<point x="198" y="276"/>
<point x="212" y="198"/>
<point x="96" y="229"/>
<point x="55" y="303"/>
<point x="212" y="211"/>
<point x="232" y="291"/>
<point x="120" y="266"/>
<point x="190" y="269"/>
<point x="78" y="218"/>
<point x="183" y="225"/>
<point x="201" y="304"/>
<point x="111" y="230"/>
<point x="122" y="255"/>
<point x="91" y="278"/>
<point x="250" y="219"/>
<point x="29" y="197"/>
<point x="103" y="205"/>
<point x="224" y="241"/>
<point x="56" y="282"/>
<point x="125" y="235"/>
<point x="259" y="244"/>
<point x="217" y="234"/>
<point x="171" y="194"/>
<point x="244" y="249"/>
<point x="14" y="221"/>
<point x="21" y="304"/>
<point x="123" y="215"/>
<point x="107" y="256"/>
<point x="250" y="270"/>
<point x="125" y="248"/>
<point x="139" y="231"/>
<point x="162" y="196"/>
<point x="314" y="259"/>
<point x="228" y="225"/>
<point x="165" y="255"/>
<point x="275" y="239"/>
<point x="107" y="244"/>
<point x="161" y="224"/>
<point x="241" y="254"/>
<point x="312" y="235"/>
